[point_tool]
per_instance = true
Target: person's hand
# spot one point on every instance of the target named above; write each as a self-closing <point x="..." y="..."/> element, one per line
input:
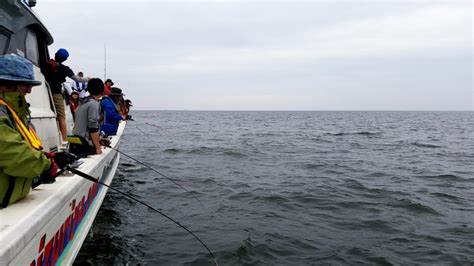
<point x="64" y="158"/>
<point x="49" y="176"/>
<point x="104" y="142"/>
<point x="98" y="150"/>
<point x="61" y="158"/>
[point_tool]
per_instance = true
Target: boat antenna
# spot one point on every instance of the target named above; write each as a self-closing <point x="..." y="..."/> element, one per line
<point x="158" y="172"/>
<point x="105" y="60"/>
<point x="92" y="179"/>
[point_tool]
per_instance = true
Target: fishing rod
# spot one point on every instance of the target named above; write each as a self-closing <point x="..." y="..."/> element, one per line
<point x="92" y="179"/>
<point x="158" y="172"/>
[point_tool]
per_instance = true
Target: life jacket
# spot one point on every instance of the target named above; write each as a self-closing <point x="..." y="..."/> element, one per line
<point x="27" y="133"/>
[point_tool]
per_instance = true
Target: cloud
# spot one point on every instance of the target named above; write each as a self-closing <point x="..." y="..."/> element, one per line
<point x="438" y="31"/>
<point x="257" y="55"/>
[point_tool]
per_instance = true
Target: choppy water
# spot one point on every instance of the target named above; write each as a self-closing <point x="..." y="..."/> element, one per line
<point x="293" y="188"/>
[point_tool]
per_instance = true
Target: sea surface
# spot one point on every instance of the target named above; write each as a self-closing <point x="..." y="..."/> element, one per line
<point x="291" y="188"/>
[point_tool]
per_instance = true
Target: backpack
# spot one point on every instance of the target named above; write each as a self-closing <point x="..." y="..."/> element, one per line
<point x="50" y="68"/>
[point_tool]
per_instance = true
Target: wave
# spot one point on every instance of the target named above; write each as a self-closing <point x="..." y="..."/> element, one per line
<point x="234" y="154"/>
<point x="378" y="174"/>
<point x="378" y="225"/>
<point x="414" y="207"/>
<point x="207" y="150"/>
<point x="172" y="150"/>
<point x="447" y="177"/>
<point x="445" y="196"/>
<point x="425" y="145"/>
<point x="237" y="153"/>
<point x="313" y="165"/>
<point x="126" y="167"/>
<point x="361" y="133"/>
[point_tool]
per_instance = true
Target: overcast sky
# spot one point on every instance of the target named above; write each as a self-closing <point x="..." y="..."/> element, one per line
<point x="273" y="55"/>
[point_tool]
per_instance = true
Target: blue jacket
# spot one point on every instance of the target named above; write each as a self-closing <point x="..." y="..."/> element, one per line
<point x="110" y="116"/>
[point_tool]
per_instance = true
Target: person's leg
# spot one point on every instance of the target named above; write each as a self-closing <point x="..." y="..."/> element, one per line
<point x="63" y="129"/>
<point x="61" y="115"/>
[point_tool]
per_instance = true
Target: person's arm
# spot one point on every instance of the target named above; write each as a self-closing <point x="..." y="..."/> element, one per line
<point x="78" y="79"/>
<point x="93" y="126"/>
<point x="16" y="157"/>
<point x="95" y="139"/>
<point x="73" y="76"/>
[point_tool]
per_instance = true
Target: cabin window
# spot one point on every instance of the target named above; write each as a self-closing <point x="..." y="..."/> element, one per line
<point x="31" y="45"/>
<point x="3" y="43"/>
<point x="18" y="42"/>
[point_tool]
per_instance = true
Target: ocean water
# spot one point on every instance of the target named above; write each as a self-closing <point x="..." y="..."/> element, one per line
<point x="292" y="188"/>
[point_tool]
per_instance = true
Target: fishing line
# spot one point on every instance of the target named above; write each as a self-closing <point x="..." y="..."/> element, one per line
<point x="163" y="175"/>
<point x="146" y="135"/>
<point x="154" y="125"/>
<point x="142" y="131"/>
<point x="91" y="178"/>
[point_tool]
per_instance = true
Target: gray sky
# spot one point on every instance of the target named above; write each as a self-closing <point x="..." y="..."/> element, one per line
<point x="279" y="55"/>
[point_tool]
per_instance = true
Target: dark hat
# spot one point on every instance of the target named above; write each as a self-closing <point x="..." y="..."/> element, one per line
<point x="114" y="91"/>
<point x="17" y="69"/>
<point x="109" y="80"/>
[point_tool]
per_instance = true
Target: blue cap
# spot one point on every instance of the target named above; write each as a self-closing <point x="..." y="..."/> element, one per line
<point x="17" y="69"/>
<point x="62" y="54"/>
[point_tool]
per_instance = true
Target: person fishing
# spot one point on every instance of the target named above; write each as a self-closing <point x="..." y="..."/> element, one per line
<point x="21" y="155"/>
<point x="110" y="111"/>
<point x="86" y="139"/>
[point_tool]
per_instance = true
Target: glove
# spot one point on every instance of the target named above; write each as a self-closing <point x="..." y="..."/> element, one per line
<point x="64" y="158"/>
<point x="49" y="175"/>
<point x="61" y="158"/>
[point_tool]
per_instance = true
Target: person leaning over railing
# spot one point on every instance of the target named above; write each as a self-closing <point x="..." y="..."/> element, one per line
<point x="110" y="112"/>
<point x="21" y="158"/>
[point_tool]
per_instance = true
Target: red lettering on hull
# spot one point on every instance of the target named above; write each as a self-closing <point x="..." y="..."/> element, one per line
<point x="49" y="254"/>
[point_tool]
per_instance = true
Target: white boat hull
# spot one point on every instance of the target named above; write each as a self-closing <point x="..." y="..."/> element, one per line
<point x="49" y="226"/>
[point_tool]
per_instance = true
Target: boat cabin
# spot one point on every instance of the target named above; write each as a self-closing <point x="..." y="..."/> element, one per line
<point x="22" y="33"/>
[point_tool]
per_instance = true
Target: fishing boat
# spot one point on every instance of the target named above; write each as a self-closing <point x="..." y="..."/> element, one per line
<point x="49" y="226"/>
